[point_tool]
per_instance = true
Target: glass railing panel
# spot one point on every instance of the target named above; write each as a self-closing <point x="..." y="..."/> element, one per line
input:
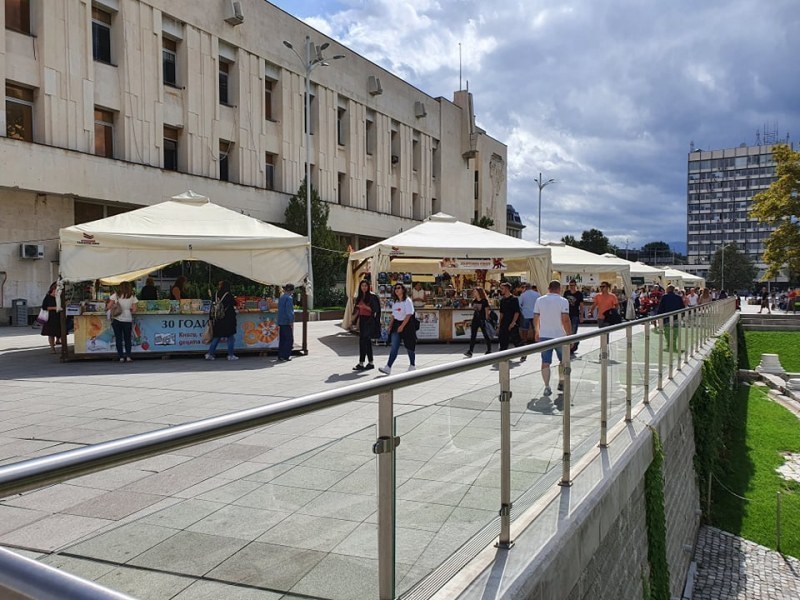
<point x="290" y="517"/>
<point x="445" y="494"/>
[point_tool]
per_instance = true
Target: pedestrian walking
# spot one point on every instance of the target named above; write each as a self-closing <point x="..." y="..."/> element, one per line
<point x="527" y="302"/>
<point x="670" y="302"/>
<point x="575" y="299"/>
<point x="551" y="320"/>
<point x="604" y="302"/>
<point x="510" y="315"/>
<point x="52" y="327"/>
<point x="481" y="311"/>
<point x="764" y="301"/>
<point x="367" y="307"/>
<point x="285" y="321"/>
<point x="223" y="321"/>
<point x="402" y="327"/>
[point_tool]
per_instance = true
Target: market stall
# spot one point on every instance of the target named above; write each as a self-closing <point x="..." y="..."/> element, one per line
<point x="589" y="269"/>
<point x="687" y="279"/>
<point x="446" y="258"/>
<point x="642" y="274"/>
<point x="187" y="228"/>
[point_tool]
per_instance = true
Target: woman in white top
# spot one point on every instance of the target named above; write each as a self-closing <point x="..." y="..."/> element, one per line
<point x="402" y="326"/>
<point x="122" y="318"/>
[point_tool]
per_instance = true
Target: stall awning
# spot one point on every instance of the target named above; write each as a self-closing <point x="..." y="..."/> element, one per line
<point x="188" y="227"/>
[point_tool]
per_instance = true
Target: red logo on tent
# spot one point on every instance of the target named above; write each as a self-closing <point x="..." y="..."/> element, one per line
<point x="88" y="240"/>
<point x="395" y="251"/>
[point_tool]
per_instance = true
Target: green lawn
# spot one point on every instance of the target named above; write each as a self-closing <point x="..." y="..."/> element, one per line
<point x="760" y="432"/>
<point x="785" y="344"/>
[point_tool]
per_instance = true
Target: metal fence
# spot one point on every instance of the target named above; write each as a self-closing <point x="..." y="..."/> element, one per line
<point x="639" y="364"/>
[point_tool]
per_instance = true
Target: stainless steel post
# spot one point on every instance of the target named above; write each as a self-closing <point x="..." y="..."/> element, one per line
<point x="505" y="456"/>
<point x="685" y="317"/>
<point x="603" y="390"/>
<point x="671" y="333"/>
<point x="385" y="449"/>
<point x="647" y="363"/>
<point x="566" y="457"/>
<point x="660" y="323"/>
<point x="677" y="341"/>
<point x="628" y="373"/>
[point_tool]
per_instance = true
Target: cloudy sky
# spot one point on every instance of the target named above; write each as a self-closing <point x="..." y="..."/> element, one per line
<point x="604" y="96"/>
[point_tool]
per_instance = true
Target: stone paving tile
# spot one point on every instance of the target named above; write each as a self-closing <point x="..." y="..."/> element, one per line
<point x="211" y="590"/>
<point x="143" y="584"/>
<point x="12" y="518"/>
<point x="310" y="533"/>
<point x="189" y="553"/>
<point x="53" y="532"/>
<point x="122" y="543"/>
<point x="183" y="514"/>
<point x="55" y="498"/>
<point x="341" y="578"/>
<point x="732" y="567"/>
<point x="267" y="565"/>
<point x="239" y="522"/>
<point x="114" y="505"/>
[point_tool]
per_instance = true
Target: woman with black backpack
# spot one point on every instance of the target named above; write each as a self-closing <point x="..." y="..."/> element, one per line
<point x="223" y="321"/>
<point x="367" y="308"/>
<point x="480" y="304"/>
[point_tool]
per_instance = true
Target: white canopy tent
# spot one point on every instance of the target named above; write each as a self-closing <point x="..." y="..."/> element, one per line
<point x="420" y="249"/>
<point x="682" y="279"/>
<point x="569" y="261"/>
<point x="638" y="269"/>
<point x="188" y="227"/>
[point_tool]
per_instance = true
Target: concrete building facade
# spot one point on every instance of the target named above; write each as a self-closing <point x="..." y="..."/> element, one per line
<point x="115" y="104"/>
<point x="721" y="187"/>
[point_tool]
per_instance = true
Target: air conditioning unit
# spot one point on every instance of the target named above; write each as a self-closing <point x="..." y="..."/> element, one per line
<point x="374" y="86"/>
<point x="31" y="251"/>
<point x="233" y="12"/>
<point x="395" y="159"/>
<point x="419" y="109"/>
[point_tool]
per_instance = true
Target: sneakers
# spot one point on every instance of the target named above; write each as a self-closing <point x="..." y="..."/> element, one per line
<point x="548" y="391"/>
<point x="468" y="354"/>
<point x="387" y="370"/>
<point x="412" y="367"/>
<point x="369" y="366"/>
<point x="358" y="367"/>
<point x="121" y="360"/>
<point x="128" y="359"/>
<point x="210" y="357"/>
<point x="560" y="387"/>
<point x="489" y="351"/>
<point x="233" y="357"/>
<point x="523" y="359"/>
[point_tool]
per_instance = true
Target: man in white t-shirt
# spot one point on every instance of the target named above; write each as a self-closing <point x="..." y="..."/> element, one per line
<point x="691" y="297"/>
<point x="550" y="321"/>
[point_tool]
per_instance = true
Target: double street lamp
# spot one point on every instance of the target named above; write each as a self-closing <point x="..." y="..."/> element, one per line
<point x="313" y="59"/>
<point x="541" y="184"/>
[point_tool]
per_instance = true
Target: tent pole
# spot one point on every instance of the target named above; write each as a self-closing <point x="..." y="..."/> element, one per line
<point x="63" y="322"/>
<point x="305" y="321"/>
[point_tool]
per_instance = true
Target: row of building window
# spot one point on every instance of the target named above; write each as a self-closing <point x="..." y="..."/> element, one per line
<point x="732" y="175"/>
<point x="734" y="162"/>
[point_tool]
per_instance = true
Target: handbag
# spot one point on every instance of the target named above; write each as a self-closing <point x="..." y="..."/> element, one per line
<point x="116" y="309"/>
<point x="208" y="333"/>
<point x="43" y="316"/>
<point x="491" y="332"/>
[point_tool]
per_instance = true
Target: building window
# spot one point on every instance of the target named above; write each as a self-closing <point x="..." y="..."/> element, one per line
<point x="269" y="171"/>
<point x="342" y="190"/>
<point x="416" y="155"/>
<point x="103" y="133"/>
<point x="269" y="87"/>
<point x="435" y="208"/>
<point x="476" y="185"/>
<point x="170" y="148"/>
<point x="341" y="126"/>
<point x="169" y="58"/>
<point x="372" y="200"/>
<point x="394" y="144"/>
<point x="18" y="15"/>
<point x="225" y="151"/>
<point x="101" y="35"/>
<point x="19" y="112"/>
<point x="224" y="71"/>
<point x="416" y="207"/>
<point x="308" y="117"/>
<point x="394" y="196"/>
<point x="369" y="141"/>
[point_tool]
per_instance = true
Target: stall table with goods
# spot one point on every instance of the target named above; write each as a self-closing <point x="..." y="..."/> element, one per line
<point x="128" y="246"/>
<point x="446" y="259"/>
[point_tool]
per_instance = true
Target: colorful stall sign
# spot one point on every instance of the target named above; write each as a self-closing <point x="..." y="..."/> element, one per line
<point x="462" y="325"/>
<point x="172" y="333"/>
<point x="472" y="264"/>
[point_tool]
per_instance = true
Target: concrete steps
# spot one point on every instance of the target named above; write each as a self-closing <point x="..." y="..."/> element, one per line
<point x="774" y="322"/>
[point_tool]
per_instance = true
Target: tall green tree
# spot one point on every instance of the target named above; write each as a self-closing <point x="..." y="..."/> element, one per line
<point x="570" y="240"/>
<point x="593" y="240"/>
<point x="739" y="273"/>
<point x="652" y="251"/>
<point x="328" y="259"/>
<point x="779" y="205"/>
<point x="484" y="222"/>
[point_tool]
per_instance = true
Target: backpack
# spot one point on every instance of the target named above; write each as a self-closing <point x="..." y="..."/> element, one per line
<point x="217" y="311"/>
<point x="493" y="318"/>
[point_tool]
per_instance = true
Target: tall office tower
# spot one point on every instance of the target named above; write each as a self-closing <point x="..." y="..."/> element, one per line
<point x="721" y="187"/>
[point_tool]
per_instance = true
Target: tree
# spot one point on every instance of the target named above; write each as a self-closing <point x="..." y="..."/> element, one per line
<point x="739" y="273"/>
<point x="484" y="222"/>
<point x="594" y="241"/>
<point x="570" y="240"/>
<point x="328" y="259"/>
<point x="651" y="251"/>
<point x="779" y="205"/>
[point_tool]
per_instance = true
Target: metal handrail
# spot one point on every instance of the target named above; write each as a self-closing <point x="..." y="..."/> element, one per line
<point x="34" y="473"/>
<point x="29" y="578"/>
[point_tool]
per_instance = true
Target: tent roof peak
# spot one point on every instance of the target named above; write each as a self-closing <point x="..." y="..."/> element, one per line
<point x="190" y="197"/>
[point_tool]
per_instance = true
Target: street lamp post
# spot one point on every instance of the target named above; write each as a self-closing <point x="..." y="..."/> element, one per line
<point x="541" y="184"/>
<point x="312" y="60"/>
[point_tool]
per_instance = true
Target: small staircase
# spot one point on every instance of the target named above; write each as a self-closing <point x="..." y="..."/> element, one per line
<point x="774" y="322"/>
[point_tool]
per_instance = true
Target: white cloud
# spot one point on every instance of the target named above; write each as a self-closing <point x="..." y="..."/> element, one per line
<point x="602" y="96"/>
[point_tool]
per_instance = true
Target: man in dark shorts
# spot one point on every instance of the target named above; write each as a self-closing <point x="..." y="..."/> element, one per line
<point x="575" y="298"/>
